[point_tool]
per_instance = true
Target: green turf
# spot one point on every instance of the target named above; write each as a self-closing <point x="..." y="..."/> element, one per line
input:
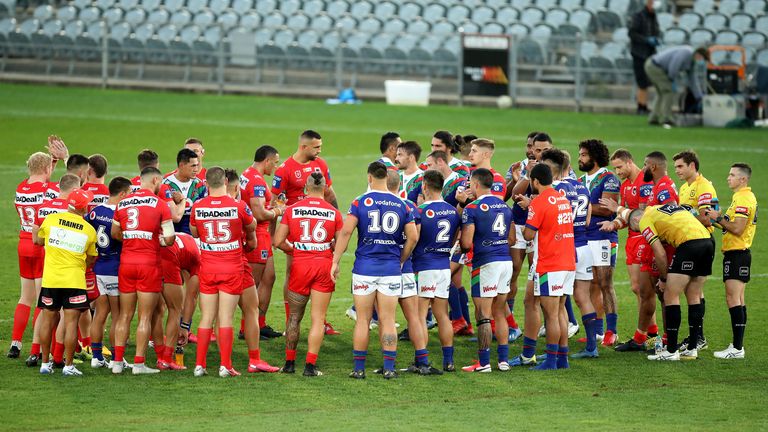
<point x="616" y="391"/>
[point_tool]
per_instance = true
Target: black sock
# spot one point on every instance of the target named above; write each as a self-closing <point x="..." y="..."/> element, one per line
<point x="737" y="325"/>
<point x="673" y="326"/>
<point x="745" y="314"/>
<point x="703" y="312"/>
<point x="694" y="324"/>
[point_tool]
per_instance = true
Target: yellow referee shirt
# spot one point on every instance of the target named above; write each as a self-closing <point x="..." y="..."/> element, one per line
<point x="672" y="224"/>
<point x="699" y="195"/>
<point x="68" y="240"/>
<point x="743" y="205"/>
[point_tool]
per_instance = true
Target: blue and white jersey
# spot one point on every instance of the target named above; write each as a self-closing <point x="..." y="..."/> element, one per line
<point x="492" y="219"/>
<point x="439" y="222"/>
<point x="408" y="264"/>
<point x="603" y="181"/>
<point x="580" y="209"/>
<point x="452" y="184"/>
<point x="381" y="219"/>
<point x="109" y="249"/>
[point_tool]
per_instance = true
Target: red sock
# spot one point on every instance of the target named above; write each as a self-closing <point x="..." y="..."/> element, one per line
<point x="639" y="337"/>
<point x="168" y="355"/>
<point x="119" y="353"/>
<point x="34" y="317"/>
<point x="290" y="355"/>
<point x="493" y="326"/>
<point x="311" y="358"/>
<point x="242" y="325"/>
<point x="58" y="353"/>
<point x="20" y="318"/>
<point x="138" y="360"/>
<point x="226" y="339"/>
<point x="87" y="342"/>
<point x="203" y="339"/>
<point x="262" y="321"/>
<point x="511" y="321"/>
<point x="653" y="329"/>
<point x="35" y="349"/>
<point x="159" y="351"/>
<point x="254" y="356"/>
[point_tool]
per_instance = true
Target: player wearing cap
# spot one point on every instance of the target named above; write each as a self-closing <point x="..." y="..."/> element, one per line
<point x="381" y="220"/>
<point x="220" y="221"/>
<point x="70" y="246"/>
<point x="184" y="181"/>
<point x="143" y="223"/>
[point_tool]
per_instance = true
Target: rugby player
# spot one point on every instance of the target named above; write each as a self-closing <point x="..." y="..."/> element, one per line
<point x="143" y="223"/>
<point x="96" y="181"/>
<point x="408" y="154"/>
<point x="487" y="229"/>
<point x="388" y="146"/>
<point x="381" y="221"/>
<point x="196" y="146"/>
<point x="255" y="192"/>
<point x="739" y="224"/>
<point x="444" y="141"/>
<point x="184" y="181"/>
<point x="77" y="164"/>
<point x="148" y="158"/>
<point x="601" y="183"/>
<point x="550" y="226"/>
<point x="308" y="231"/>
<point x="70" y="246"/>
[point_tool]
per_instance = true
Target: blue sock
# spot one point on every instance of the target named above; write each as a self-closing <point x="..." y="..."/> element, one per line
<point x="96" y="349"/>
<point x="485" y="356"/>
<point x="511" y="304"/>
<point x="454" y="303"/>
<point x="551" y="360"/>
<point x="562" y="357"/>
<point x="359" y="357"/>
<point x="590" y="327"/>
<point x="422" y="357"/>
<point x="569" y="309"/>
<point x="503" y="352"/>
<point x="389" y="359"/>
<point x="464" y="304"/>
<point x="611" y="320"/>
<point x="599" y="328"/>
<point x="447" y="355"/>
<point x="353" y="308"/>
<point x="429" y="315"/>
<point x="375" y="315"/>
<point x="529" y="347"/>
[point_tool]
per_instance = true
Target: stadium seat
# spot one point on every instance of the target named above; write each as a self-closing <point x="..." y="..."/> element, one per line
<point x="666" y="20"/>
<point x="313" y="7"/>
<point x="128" y="4"/>
<point x="468" y="27"/>
<point x="74" y="29"/>
<point x="180" y="54"/>
<point x="181" y="18"/>
<point x="20" y="45"/>
<point x="761" y="24"/>
<point x="482" y="15"/>
<point x="521" y="4"/>
<point x="89" y="15"/>
<point x="290" y="7"/>
<point x="249" y="21"/>
<point x="80" y="4"/>
<point x="601" y="70"/>
<point x="196" y="6"/>
<point x="583" y="19"/>
<point x="567" y="31"/>
<point x="29" y="26"/>
<point x="608" y="20"/>
<point x="242" y="7"/>
<point x="273" y="20"/>
<point x="357" y="40"/>
<point x="173" y="5"/>
<point x="398" y="66"/>
<point x="360" y="9"/>
<point x="545" y="4"/>
<point x="167" y="33"/>
<point x="190" y="34"/>
<point x="701" y="37"/>
<point x="263" y="36"/>
<point x="727" y="37"/>
<point x="298" y="21"/>
<point x="265" y="7"/>
<point x="337" y="8"/>
<point x="395" y="25"/>
<point x="715" y="22"/>
<point x="322" y="58"/>
<point x="589" y="49"/>
<point x="542" y="33"/>
<point x="704" y="7"/>
<point x="419" y="61"/>
<point x="754" y="7"/>
<point x="158" y="17"/>
<point x="689" y="21"/>
<point x="729" y="7"/>
<point x="7" y="25"/>
<point x="135" y="17"/>
<point x="42" y="46"/>
<point x="297" y="56"/>
<point x="385" y="10"/>
<point x="382" y="41"/>
<point x="570" y="5"/>
<point x="406" y="42"/>
<point x="762" y="57"/>
<point x="66" y="13"/>
<point x="410" y="10"/>
<point x="492" y="28"/>
<point x="741" y="22"/>
<point x="104" y="5"/>
<point x="144" y="32"/>
<point x="530" y="51"/>
<point x="284" y="37"/>
<point x="594" y="5"/>
<point x="518" y="30"/>
<point x="370" y="24"/>
<point x="619" y="7"/>
<point x="432" y="12"/>
<point x="120" y="31"/>
<point x="507" y="15"/>
<point x="113" y="16"/>
<point x="613" y="50"/>
<point x="96" y="30"/>
<point x="331" y="40"/>
<point x="556" y="16"/>
<point x="346" y="23"/>
<point x="150" y="4"/>
<point x="321" y="23"/>
<point x="157" y="51"/>
<point x="532" y="16"/>
<point x="418" y="26"/>
<point x="718" y="57"/>
<point x="218" y="6"/>
<point x="430" y="43"/>
<point x="457" y="14"/>
<point x="754" y="40"/>
<point x="621" y="35"/>
<point x="447" y="60"/>
<point x="308" y="39"/>
<point x="204" y="18"/>
<point x="228" y="20"/>
<point x="370" y="55"/>
<point x="675" y="36"/>
<point x="213" y="36"/>
<point x="88" y="48"/>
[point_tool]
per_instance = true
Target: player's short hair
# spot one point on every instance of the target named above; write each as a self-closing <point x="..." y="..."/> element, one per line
<point x="316" y="181"/>
<point x="566" y="161"/>
<point x="484" y="176"/>
<point x="184" y="156"/>
<point x="193" y="140"/>
<point x="233" y="178"/>
<point x="542" y="137"/>
<point x="634" y="219"/>
<point x="149" y="172"/>
<point x="596" y="150"/>
<point x="377" y="170"/>
<point x="658" y="157"/>
<point x="393" y="181"/>
<point x="98" y="164"/>
<point x="38" y="163"/>
<point x="69" y="182"/>
<point x="484" y="143"/>
<point x="446" y="138"/>
<point x="411" y="148"/>
<point x="622" y="154"/>
<point x="264" y="152"/>
<point x="463" y="143"/>
<point x="532" y="135"/>
<point x="745" y="169"/>
<point x="310" y="135"/>
<point x="433" y="180"/>
<point x="215" y="176"/>
<point x="688" y="156"/>
<point x="702" y="51"/>
<point x="76" y="162"/>
<point x="555" y="156"/>
<point x="542" y="173"/>
<point x="387" y="140"/>
<point x="119" y="184"/>
<point x="439" y="154"/>
<point x="147" y="158"/>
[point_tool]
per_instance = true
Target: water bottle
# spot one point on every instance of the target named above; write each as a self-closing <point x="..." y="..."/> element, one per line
<point x="179" y="357"/>
<point x="715" y="204"/>
<point x="659" y="346"/>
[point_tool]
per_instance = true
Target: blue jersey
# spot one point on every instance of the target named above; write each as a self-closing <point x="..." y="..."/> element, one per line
<point x="604" y="181"/>
<point x="408" y="264"/>
<point x="492" y="219"/>
<point x="439" y="222"/>
<point x="580" y="210"/>
<point x="451" y="185"/>
<point x="109" y="249"/>
<point x="381" y="219"/>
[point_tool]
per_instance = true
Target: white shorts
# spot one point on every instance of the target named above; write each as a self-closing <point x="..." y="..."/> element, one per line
<point x="107" y="285"/>
<point x="409" y="285"/>
<point x="601" y="252"/>
<point x="520" y="241"/>
<point x="553" y="284"/>
<point x="434" y="283"/>
<point x="583" y="263"/>
<point x="492" y="279"/>
<point x="388" y="285"/>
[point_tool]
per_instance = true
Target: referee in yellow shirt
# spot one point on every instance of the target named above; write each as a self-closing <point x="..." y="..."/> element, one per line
<point x="70" y="246"/>
<point x="739" y="224"/>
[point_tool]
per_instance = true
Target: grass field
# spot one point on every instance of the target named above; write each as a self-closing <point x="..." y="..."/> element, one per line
<point x="616" y="391"/>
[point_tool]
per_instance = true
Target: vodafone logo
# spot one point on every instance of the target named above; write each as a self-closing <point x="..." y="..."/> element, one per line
<point x="368" y="202"/>
<point x="484" y="207"/>
<point x="552" y="200"/>
<point x="430" y="213"/>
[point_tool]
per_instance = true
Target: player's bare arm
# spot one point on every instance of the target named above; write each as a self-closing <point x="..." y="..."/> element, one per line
<point x="330" y="196"/>
<point x="342" y="242"/>
<point x="467" y="236"/>
<point x="529" y="234"/>
<point x="735" y="227"/>
<point x="411" y="238"/>
<point x="512" y="237"/>
<point x="278" y="240"/>
<point x="602" y="210"/>
<point x="117" y="231"/>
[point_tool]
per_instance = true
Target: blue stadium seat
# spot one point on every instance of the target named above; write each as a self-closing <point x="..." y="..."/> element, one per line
<point x="556" y="16"/>
<point x="608" y="20"/>
<point x="308" y="39"/>
<point x="701" y="37"/>
<point x="181" y="18"/>
<point x="144" y="32"/>
<point x="337" y="8"/>
<point x="532" y="16"/>
<point x="74" y="29"/>
<point x="66" y="13"/>
<point x="113" y="16"/>
<point x="159" y="17"/>
<point x="507" y="15"/>
<point x="406" y="42"/>
<point x="360" y="9"/>
<point x="518" y="30"/>
<point x="754" y="40"/>
<point x="331" y="40"/>
<point x="468" y="27"/>
<point x="741" y="22"/>
<point x="410" y="10"/>
<point x="52" y="27"/>
<point x="431" y="43"/>
<point x="322" y="22"/>
<point x="357" y="40"/>
<point x="482" y="15"/>
<point x="394" y="25"/>
<point x="541" y="33"/>
<point x="458" y="13"/>
<point x="715" y="22"/>
<point x="666" y="20"/>
<point x="120" y="31"/>
<point x="88" y="48"/>
<point x="7" y="25"/>
<point x="621" y="35"/>
<point x="546" y="4"/>
<point x="382" y="41"/>
<point x="761" y="24"/>
<point x="213" y="35"/>
<point x="729" y="7"/>
<point x="196" y="6"/>
<point x="762" y="57"/>
<point x="204" y="18"/>
<point x="80" y="4"/>
<point x="584" y="19"/>
<point x="249" y="20"/>
<point x="704" y="7"/>
<point x="29" y="26"/>
<point x="167" y="33"/>
<point x="530" y="51"/>
<point x="432" y="12"/>
<point x="135" y="17"/>
<point x="273" y="20"/>
<point x="89" y="15"/>
<point x="104" y="5"/>
<point x="594" y="5"/>
<point x="290" y="7"/>
<point x="263" y="36"/>
<point x="346" y="22"/>
<point x="418" y="26"/>
<point x="265" y="7"/>
<point x="385" y="10"/>
<point x="521" y="4"/>
<point x="370" y="24"/>
<point x="619" y="7"/>
<point x="96" y="30"/>
<point x="283" y="37"/>
<point x="190" y="34"/>
<point x="228" y="19"/>
<point x="128" y="4"/>
<point x="298" y="21"/>
<point x="313" y="7"/>
<point x="570" y="5"/>
<point x="675" y="36"/>
<point x="727" y="37"/>
<point x="242" y="7"/>
<point x="173" y="5"/>
<point x="150" y="4"/>
<point x="689" y="21"/>
<point x="755" y="8"/>
<point x="218" y="6"/>
<point x="419" y="61"/>
<point x="492" y="28"/>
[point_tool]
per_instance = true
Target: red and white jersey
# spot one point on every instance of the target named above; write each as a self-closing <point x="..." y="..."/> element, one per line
<point x="291" y="177"/>
<point x="312" y="224"/>
<point x="100" y="193"/>
<point x="56" y="205"/>
<point x="200" y="175"/>
<point x="140" y="216"/>
<point x="183" y="252"/>
<point x="635" y="193"/>
<point x="220" y="222"/>
<point x="664" y="192"/>
<point x="165" y="190"/>
<point x="52" y="191"/>
<point x="253" y="185"/>
<point x="29" y="197"/>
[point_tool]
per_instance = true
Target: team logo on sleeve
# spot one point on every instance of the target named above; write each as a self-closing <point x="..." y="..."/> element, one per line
<point x="430" y="213"/>
<point x="368" y="202"/>
<point x="276" y="180"/>
<point x="663" y="196"/>
<point x="648" y="234"/>
<point x="484" y="207"/>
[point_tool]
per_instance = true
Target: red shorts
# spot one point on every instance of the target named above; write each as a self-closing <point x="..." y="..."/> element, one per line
<point x="213" y="283"/>
<point x="263" y="250"/>
<point x="635" y="248"/>
<point x="190" y="263"/>
<point x="311" y="275"/>
<point x="142" y="278"/>
<point x="31" y="258"/>
<point x="248" y="280"/>
<point x="171" y="270"/>
<point x="90" y="285"/>
<point x="649" y="263"/>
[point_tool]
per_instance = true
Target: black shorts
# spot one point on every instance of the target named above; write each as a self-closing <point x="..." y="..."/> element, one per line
<point x="693" y="258"/>
<point x="638" y="65"/>
<point x="67" y="298"/>
<point x="737" y="265"/>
